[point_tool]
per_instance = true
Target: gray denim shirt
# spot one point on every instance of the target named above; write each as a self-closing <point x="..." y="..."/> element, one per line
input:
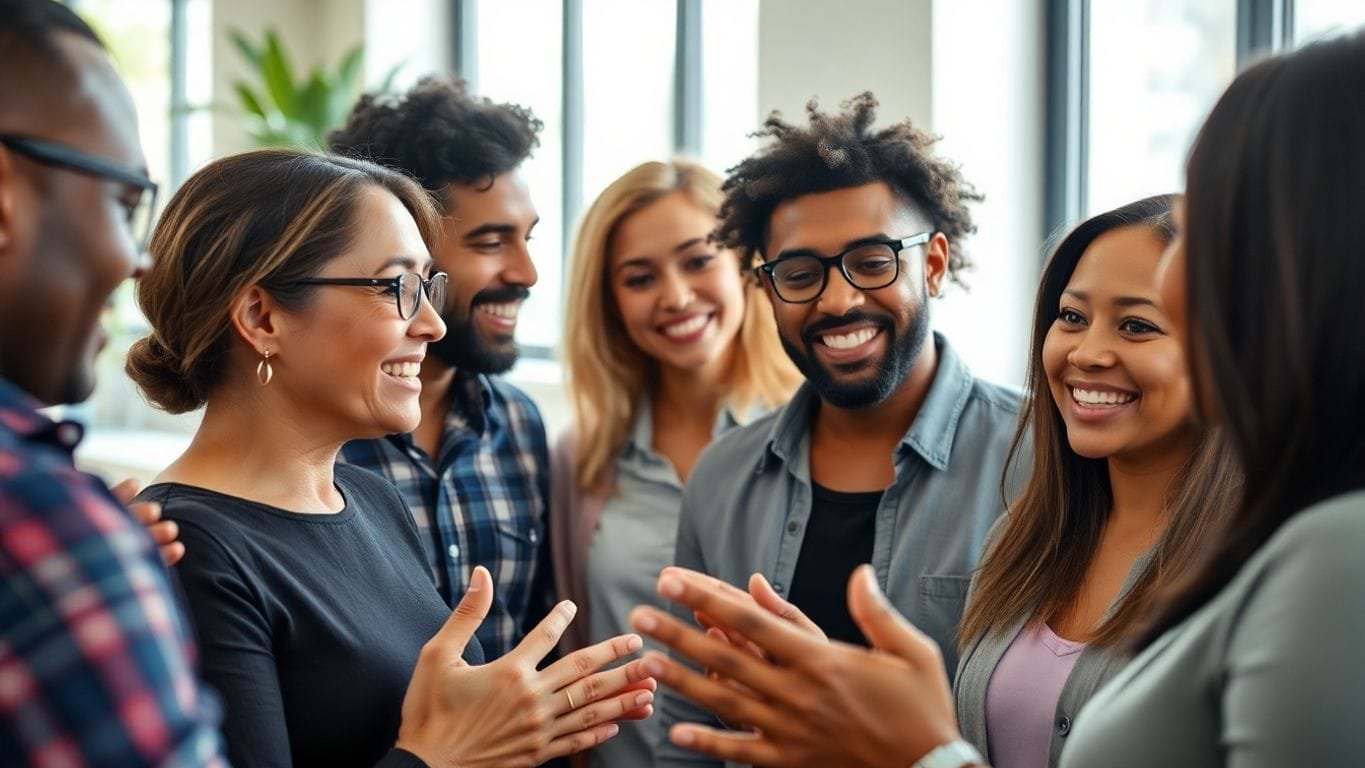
<point x="746" y="505"/>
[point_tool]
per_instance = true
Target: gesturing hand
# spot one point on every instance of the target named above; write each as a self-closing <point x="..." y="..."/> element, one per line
<point x="814" y="702"/>
<point x="148" y="513"/>
<point x="508" y="713"/>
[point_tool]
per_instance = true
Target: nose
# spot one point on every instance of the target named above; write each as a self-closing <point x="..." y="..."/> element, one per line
<point x="519" y="269"/>
<point x="677" y="292"/>
<point x="1092" y="351"/>
<point x="839" y="295"/>
<point x="427" y="323"/>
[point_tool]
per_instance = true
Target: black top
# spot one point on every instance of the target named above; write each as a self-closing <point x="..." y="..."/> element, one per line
<point x="839" y="536"/>
<point x="309" y="626"/>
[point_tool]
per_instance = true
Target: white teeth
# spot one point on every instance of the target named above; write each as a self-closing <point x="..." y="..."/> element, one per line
<point x="1095" y="397"/>
<point x="403" y="370"/>
<point x="508" y="311"/>
<point x="849" y="340"/>
<point x="687" y="326"/>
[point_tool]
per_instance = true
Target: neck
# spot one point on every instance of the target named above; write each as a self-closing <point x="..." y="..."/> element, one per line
<point x="436" y="377"/>
<point x="252" y="446"/>
<point x="1140" y="488"/>
<point x="692" y="396"/>
<point x="887" y="421"/>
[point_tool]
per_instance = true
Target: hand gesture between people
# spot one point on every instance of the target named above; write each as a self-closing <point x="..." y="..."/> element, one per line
<point x="506" y="712"/>
<point x="148" y="513"/>
<point x="813" y="702"/>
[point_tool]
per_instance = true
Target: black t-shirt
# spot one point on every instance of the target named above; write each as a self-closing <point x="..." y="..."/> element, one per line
<point x="308" y="626"/>
<point x="839" y="537"/>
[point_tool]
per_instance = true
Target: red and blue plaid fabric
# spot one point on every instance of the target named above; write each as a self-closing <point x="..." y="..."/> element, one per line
<point x="95" y="657"/>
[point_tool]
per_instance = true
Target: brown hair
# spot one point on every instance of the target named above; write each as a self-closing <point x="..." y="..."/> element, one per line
<point x="607" y="372"/>
<point x="1275" y="270"/>
<point x="266" y="218"/>
<point x="1036" y="564"/>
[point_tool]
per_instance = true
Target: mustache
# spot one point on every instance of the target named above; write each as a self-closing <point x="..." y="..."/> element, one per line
<point x="503" y="295"/>
<point x="827" y="324"/>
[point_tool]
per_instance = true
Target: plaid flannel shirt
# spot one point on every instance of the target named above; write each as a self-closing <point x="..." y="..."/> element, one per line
<point x="95" y="658"/>
<point x="482" y="502"/>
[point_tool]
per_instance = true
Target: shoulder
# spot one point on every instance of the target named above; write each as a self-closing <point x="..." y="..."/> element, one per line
<point x="737" y="452"/>
<point x="995" y="399"/>
<point x="366" y="484"/>
<point x="517" y="403"/>
<point x="1326" y="538"/>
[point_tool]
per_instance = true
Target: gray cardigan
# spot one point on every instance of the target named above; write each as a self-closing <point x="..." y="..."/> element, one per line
<point x="1093" y="668"/>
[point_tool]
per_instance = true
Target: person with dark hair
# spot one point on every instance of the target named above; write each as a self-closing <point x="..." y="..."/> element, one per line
<point x="314" y="609"/>
<point x="1124" y="490"/>
<point x="1252" y="657"/>
<point x="475" y="471"/>
<point x="95" y="658"/>
<point x="891" y="452"/>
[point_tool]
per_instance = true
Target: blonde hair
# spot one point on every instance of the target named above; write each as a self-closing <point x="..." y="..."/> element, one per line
<point x="607" y="373"/>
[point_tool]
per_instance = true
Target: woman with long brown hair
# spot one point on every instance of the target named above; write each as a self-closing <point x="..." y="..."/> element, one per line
<point x="666" y="345"/>
<point x="1123" y="490"/>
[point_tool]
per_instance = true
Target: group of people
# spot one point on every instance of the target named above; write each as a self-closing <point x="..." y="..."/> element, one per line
<point x="788" y="526"/>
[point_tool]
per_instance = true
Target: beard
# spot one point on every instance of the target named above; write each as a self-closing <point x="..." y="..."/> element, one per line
<point x="903" y="348"/>
<point x="464" y="349"/>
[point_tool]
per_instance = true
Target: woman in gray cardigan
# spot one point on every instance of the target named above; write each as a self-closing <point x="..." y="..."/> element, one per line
<point x="1122" y="492"/>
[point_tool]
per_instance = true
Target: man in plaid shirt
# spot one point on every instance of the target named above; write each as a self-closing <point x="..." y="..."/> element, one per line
<point x="95" y="658"/>
<point x="475" y="473"/>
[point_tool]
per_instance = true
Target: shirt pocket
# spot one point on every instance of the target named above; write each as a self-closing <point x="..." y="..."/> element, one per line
<point x="942" y="599"/>
<point x="517" y="543"/>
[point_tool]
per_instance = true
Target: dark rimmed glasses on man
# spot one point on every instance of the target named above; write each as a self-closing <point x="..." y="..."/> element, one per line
<point x="407" y="289"/>
<point x="869" y="265"/>
<point x="140" y="211"/>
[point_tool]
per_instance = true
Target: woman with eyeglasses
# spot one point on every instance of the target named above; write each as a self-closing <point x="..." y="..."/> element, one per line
<point x="292" y="297"/>
<point x="666" y="346"/>
<point x="1252" y="657"/>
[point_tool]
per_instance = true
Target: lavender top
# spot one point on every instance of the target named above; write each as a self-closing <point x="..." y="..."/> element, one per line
<point x="1022" y="696"/>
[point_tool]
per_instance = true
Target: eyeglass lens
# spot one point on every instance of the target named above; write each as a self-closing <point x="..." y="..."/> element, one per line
<point x="410" y="293"/>
<point x="868" y="267"/>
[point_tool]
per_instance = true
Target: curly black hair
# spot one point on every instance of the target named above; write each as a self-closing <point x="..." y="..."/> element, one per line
<point x="439" y="134"/>
<point x="838" y="151"/>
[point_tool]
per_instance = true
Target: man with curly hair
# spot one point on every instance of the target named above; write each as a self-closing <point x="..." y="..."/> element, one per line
<point x="892" y="452"/>
<point x="475" y="473"/>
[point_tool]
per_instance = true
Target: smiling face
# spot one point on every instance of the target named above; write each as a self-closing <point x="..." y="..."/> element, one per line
<point x="855" y="346"/>
<point x="1116" y="372"/>
<point x="349" y="360"/>
<point x="681" y="300"/>
<point x="483" y="248"/>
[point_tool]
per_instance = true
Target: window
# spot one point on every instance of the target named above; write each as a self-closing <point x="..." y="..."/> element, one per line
<point x="1316" y="18"/>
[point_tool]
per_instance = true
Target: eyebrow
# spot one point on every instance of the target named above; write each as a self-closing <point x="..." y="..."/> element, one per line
<point x="496" y="228"/>
<point x="1120" y="301"/>
<point x="648" y="261"/>
<point x="791" y="252"/>
<point x="402" y="261"/>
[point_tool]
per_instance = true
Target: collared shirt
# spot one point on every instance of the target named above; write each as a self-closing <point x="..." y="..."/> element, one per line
<point x="634" y="540"/>
<point x="482" y="502"/>
<point x="95" y="658"/>
<point x="747" y="503"/>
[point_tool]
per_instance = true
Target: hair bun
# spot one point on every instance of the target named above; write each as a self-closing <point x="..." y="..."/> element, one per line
<point x="159" y="373"/>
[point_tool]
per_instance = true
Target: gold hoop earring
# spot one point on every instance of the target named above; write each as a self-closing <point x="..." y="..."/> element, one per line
<point x="264" y="371"/>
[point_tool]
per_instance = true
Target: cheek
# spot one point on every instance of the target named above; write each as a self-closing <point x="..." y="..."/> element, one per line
<point x="1056" y="347"/>
<point x="636" y="309"/>
<point x="1163" y="373"/>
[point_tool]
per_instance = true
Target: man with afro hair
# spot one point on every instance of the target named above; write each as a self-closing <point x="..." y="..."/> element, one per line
<point x="892" y="452"/>
<point x="475" y="473"/>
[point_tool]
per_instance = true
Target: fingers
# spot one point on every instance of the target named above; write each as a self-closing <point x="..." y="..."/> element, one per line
<point x="764" y="594"/>
<point x="732" y="705"/>
<point x="172" y="553"/>
<point x="717" y="656"/>
<point x="125" y="491"/>
<point x="883" y="625"/>
<point x="744" y="747"/>
<point x="778" y="638"/>
<point x="627" y="678"/>
<point x="608" y="710"/>
<point x="586" y="661"/>
<point x="577" y="742"/>
<point x="473" y="608"/>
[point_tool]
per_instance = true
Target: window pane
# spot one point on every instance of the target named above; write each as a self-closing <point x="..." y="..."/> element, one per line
<point x="729" y="81"/>
<point x="628" y="62"/>
<point x="1156" y="68"/>
<point x="520" y="60"/>
<point x="1318" y="18"/>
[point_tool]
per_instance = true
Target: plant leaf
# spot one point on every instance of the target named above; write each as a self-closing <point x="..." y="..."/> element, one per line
<point x="248" y="99"/>
<point x="276" y="72"/>
<point x="244" y="46"/>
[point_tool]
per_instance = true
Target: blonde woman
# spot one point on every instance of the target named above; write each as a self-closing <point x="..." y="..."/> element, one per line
<point x="666" y="345"/>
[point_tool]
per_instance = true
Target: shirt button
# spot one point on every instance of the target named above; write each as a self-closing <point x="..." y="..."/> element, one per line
<point x="454" y="551"/>
<point x="792" y="526"/>
<point x="1063" y="725"/>
<point x="777" y="588"/>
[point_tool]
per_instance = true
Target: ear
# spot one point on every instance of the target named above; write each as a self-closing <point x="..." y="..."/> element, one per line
<point x="255" y="318"/>
<point x="936" y="263"/>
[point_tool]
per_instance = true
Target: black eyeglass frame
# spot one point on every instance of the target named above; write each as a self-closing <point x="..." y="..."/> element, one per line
<point x="394" y="284"/>
<point x="62" y="156"/>
<point x="897" y="245"/>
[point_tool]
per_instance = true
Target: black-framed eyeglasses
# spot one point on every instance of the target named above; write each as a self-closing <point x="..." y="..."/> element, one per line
<point x="407" y="289"/>
<point x="869" y="265"/>
<point x="61" y="156"/>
